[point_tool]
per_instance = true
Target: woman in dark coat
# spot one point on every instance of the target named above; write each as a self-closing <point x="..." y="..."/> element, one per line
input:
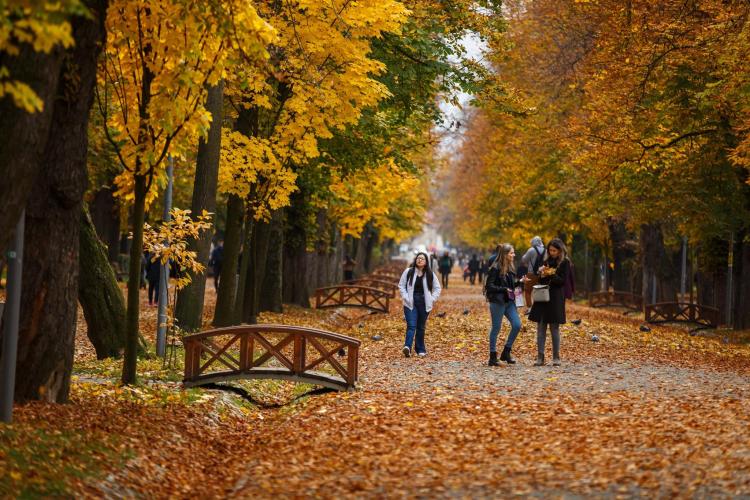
<point x="553" y="272"/>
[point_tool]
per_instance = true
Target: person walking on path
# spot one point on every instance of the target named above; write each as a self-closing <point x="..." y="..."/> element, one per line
<point x="349" y="264"/>
<point x="484" y="268"/>
<point x="216" y="261"/>
<point x="444" y="266"/>
<point x="473" y="269"/>
<point x="153" y="272"/>
<point x="530" y="263"/>
<point x="499" y="290"/>
<point x="420" y="289"/>
<point x="554" y="273"/>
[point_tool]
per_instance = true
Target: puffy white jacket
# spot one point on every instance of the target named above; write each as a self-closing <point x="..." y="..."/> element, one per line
<point x="407" y="290"/>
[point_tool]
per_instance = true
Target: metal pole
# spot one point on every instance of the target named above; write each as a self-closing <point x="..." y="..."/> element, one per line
<point x="730" y="285"/>
<point x="161" y="326"/>
<point x="683" y="277"/>
<point x="10" y="330"/>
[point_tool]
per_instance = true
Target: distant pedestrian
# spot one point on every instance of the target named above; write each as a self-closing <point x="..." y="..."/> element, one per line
<point x="444" y="266"/>
<point x="349" y="265"/>
<point x="420" y="289"/>
<point x="484" y="268"/>
<point x="216" y="261"/>
<point x="530" y="263"/>
<point x="153" y="274"/>
<point x="554" y="273"/>
<point x="473" y="269"/>
<point x="499" y="290"/>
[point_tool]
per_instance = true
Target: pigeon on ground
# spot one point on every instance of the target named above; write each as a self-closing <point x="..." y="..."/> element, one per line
<point x="595" y="338"/>
<point x="441" y="314"/>
<point x="361" y="325"/>
<point x="576" y="321"/>
<point x="466" y="311"/>
<point x="377" y="337"/>
<point x="644" y="328"/>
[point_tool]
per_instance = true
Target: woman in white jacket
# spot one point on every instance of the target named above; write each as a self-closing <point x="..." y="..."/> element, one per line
<point x="420" y="288"/>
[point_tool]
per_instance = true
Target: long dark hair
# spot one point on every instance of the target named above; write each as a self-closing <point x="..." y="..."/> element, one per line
<point x="501" y="259"/>
<point x="558" y="244"/>
<point x="413" y="270"/>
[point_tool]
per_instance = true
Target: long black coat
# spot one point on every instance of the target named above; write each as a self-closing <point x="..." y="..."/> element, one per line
<point x="554" y="310"/>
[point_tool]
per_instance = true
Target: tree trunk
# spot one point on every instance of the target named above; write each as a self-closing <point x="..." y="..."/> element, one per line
<point x="656" y="261"/>
<point x="189" y="307"/>
<point x="271" y="296"/>
<point x="245" y="265"/>
<point x="49" y="302"/>
<point x="130" y="360"/>
<point x="106" y="219"/>
<point x="24" y="135"/>
<point x="620" y="254"/>
<point x="228" y="277"/>
<point x="742" y="295"/>
<point x="256" y="272"/>
<point x="100" y="296"/>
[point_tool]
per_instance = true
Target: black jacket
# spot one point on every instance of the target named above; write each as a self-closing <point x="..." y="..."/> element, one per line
<point x="497" y="287"/>
<point x="554" y="310"/>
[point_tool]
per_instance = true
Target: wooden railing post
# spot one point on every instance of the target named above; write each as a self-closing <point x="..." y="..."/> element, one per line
<point x="192" y="358"/>
<point x="299" y="353"/>
<point x="352" y="366"/>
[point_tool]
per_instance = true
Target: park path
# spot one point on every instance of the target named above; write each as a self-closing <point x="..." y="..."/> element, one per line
<point x="636" y="414"/>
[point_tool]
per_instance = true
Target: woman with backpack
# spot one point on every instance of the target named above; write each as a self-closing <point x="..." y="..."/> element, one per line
<point x="420" y="289"/>
<point x="499" y="291"/>
<point x="553" y="274"/>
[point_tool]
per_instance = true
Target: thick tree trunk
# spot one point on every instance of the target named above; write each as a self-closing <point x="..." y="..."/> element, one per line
<point x="271" y="290"/>
<point x="657" y="261"/>
<point x="24" y="135"/>
<point x="106" y="219"/>
<point x="100" y="296"/>
<point x="189" y="308"/>
<point x="228" y="278"/>
<point x="742" y="295"/>
<point x="49" y="299"/>
<point x="618" y="234"/>
<point x="130" y="360"/>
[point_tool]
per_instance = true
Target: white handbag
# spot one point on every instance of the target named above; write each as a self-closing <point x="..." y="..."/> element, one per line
<point x="540" y="293"/>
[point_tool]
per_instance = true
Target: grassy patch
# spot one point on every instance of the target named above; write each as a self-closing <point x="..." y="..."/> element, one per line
<point x="43" y="462"/>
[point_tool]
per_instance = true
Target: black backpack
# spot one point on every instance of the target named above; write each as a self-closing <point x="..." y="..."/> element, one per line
<point x="538" y="261"/>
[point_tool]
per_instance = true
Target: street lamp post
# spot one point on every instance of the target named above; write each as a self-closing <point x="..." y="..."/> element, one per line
<point x="11" y="318"/>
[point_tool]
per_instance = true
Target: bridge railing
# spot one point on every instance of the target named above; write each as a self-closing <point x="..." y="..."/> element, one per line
<point x="682" y="312"/>
<point x="626" y="300"/>
<point x="273" y="352"/>
<point x="352" y="296"/>
<point x="386" y="286"/>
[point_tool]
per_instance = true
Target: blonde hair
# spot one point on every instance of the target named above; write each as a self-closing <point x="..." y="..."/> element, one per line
<point x="501" y="261"/>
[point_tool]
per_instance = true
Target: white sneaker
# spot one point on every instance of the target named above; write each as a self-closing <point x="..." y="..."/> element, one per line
<point x="556" y="362"/>
<point x="422" y="354"/>
<point x="406" y="351"/>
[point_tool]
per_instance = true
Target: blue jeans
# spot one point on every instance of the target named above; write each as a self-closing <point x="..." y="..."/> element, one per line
<point x="416" y="319"/>
<point x="497" y="311"/>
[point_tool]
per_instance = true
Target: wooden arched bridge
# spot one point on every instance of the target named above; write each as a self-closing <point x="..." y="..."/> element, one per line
<point x="683" y="312"/>
<point x="610" y="298"/>
<point x="346" y="295"/>
<point x="271" y="352"/>
<point x="386" y="286"/>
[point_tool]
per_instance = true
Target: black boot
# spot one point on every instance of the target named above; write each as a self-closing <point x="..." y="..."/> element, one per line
<point x="493" y="360"/>
<point x="505" y="356"/>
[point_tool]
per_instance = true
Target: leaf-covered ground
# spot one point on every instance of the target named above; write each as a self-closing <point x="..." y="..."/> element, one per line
<point x="658" y="413"/>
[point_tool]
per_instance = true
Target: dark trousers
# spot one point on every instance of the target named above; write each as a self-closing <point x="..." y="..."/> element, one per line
<point x="473" y="277"/>
<point x="416" y="320"/>
<point x="348" y="275"/>
<point x="153" y="292"/>
<point x="444" y="278"/>
<point x="217" y="275"/>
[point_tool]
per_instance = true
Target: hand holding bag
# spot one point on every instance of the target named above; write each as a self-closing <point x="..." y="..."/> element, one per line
<point x="540" y="293"/>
